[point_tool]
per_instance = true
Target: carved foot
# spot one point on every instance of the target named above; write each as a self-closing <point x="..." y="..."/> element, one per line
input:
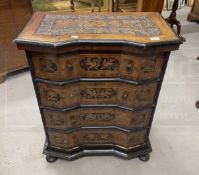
<point x="197" y="104"/>
<point x="144" y="157"/>
<point x="51" y="159"/>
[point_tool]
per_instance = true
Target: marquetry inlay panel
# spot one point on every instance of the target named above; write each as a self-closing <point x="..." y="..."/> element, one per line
<point x="56" y="25"/>
<point x="63" y="67"/>
<point x="97" y="117"/>
<point x="121" y="94"/>
<point x="97" y="136"/>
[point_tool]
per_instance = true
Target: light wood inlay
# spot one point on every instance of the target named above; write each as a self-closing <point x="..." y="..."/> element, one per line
<point x="63" y="67"/>
<point x="165" y="33"/>
<point x="97" y="93"/>
<point x="97" y="117"/>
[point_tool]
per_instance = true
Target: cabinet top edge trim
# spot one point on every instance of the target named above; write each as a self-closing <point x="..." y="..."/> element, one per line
<point x="75" y="43"/>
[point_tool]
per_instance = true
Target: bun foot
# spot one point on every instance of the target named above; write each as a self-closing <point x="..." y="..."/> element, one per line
<point x="51" y="159"/>
<point x="144" y="157"/>
<point x="197" y="104"/>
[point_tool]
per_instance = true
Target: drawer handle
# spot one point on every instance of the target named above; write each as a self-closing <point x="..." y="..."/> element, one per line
<point x="69" y="67"/>
<point x="129" y="68"/>
<point x="125" y="95"/>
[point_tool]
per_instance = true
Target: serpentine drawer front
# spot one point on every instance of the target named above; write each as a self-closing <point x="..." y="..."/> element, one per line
<point x="97" y="78"/>
<point x="97" y="136"/>
<point x="97" y="117"/>
<point x="101" y="93"/>
<point x="63" y="67"/>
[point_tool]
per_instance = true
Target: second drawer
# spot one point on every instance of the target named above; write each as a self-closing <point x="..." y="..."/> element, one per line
<point x="94" y="93"/>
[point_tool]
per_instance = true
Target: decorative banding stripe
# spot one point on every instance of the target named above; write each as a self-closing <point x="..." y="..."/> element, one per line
<point x="96" y="106"/>
<point x="61" y="83"/>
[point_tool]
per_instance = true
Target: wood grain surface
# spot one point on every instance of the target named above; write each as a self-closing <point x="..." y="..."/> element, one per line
<point x="64" y="67"/>
<point x="90" y="117"/>
<point x="97" y="93"/>
<point x="13" y="16"/>
<point x="126" y="140"/>
<point x="30" y="32"/>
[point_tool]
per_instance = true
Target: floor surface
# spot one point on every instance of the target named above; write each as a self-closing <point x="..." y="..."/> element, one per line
<point x="174" y="135"/>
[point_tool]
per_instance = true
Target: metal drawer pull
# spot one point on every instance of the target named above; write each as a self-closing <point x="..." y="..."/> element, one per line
<point x="129" y="68"/>
<point x="125" y="95"/>
<point x="69" y="67"/>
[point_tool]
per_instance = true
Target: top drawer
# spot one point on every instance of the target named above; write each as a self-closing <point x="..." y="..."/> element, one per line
<point x="63" y="67"/>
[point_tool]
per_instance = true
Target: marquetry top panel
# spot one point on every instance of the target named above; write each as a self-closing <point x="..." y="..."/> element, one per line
<point x="65" y="28"/>
<point x="55" y="25"/>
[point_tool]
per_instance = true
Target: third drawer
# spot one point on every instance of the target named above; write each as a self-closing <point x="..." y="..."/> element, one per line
<point x="90" y="117"/>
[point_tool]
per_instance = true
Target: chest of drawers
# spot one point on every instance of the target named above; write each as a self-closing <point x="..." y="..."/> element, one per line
<point x="97" y="79"/>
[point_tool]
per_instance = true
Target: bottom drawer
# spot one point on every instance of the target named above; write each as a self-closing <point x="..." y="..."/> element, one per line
<point x="123" y="139"/>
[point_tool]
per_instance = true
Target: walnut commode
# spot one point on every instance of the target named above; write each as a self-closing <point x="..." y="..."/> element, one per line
<point x="97" y="78"/>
